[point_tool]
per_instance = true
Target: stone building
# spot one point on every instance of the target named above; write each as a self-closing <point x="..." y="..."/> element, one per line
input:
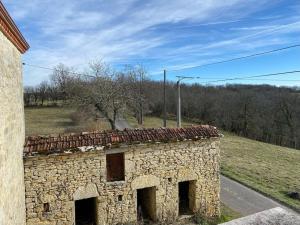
<point x="122" y="176"/>
<point x="12" y="192"/>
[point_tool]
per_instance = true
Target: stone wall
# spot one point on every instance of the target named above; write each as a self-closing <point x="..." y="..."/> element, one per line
<point x="12" y="205"/>
<point x="61" y="179"/>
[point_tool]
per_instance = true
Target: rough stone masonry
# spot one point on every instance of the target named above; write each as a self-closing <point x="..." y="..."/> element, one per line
<point x="122" y="176"/>
<point x="12" y="135"/>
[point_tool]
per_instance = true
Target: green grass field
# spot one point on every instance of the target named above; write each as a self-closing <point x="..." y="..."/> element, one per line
<point x="270" y="169"/>
<point x="154" y="122"/>
<point x="56" y="120"/>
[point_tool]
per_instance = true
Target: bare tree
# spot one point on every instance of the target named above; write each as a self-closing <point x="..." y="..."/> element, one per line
<point x="136" y="77"/>
<point x="28" y="95"/>
<point x="289" y="115"/>
<point x="60" y="78"/>
<point x="43" y="90"/>
<point x="106" y="90"/>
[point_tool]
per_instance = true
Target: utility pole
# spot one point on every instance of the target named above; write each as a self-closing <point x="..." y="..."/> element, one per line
<point x="180" y="78"/>
<point x="178" y="104"/>
<point x="141" y="100"/>
<point x="165" y="103"/>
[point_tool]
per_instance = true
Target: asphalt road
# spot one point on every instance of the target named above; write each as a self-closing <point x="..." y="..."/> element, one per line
<point x="121" y="124"/>
<point x="233" y="194"/>
<point x="243" y="199"/>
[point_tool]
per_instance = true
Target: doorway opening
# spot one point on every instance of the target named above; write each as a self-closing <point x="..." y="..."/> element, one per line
<point x="146" y="204"/>
<point x="186" y="197"/>
<point x="86" y="212"/>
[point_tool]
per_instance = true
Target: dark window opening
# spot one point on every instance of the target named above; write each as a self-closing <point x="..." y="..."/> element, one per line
<point x="115" y="167"/>
<point x="170" y="179"/>
<point x="46" y="207"/>
<point x="85" y="212"/>
<point x="146" y="204"/>
<point x="120" y="198"/>
<point x="186" y="196"/>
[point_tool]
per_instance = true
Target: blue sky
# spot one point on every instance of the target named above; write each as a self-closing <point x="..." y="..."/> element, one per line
<point x="161" y="35"/>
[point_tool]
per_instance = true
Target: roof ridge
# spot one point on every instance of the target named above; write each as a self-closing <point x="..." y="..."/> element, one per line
<point x="72" y="134"/>
<point x="49" y="144"/>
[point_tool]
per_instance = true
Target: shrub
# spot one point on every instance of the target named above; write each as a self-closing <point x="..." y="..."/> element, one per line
<point x="203" y="220"/>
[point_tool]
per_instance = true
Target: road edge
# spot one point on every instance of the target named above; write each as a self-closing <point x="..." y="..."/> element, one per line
<point x="261" y="192"/>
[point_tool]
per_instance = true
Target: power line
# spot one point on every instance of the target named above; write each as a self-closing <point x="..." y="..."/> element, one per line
<point x="215" y="78"/>
<point x="274" y="80"/>
<point x="197" y="66"/>
<point x="239" y="58"/>
<point x="51" y="69"/>
<point x="256" y="76"/>
<point x="257" y="79"/>
<point x="198" y="77"/>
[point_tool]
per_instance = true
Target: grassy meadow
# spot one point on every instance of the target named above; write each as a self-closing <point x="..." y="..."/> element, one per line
<point x="56" y="120"/>
<point x="270" y="169"/>
<point x="150" y="121"/>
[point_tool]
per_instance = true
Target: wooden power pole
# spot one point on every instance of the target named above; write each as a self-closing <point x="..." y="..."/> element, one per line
<point x="141" y="117"/>
<point x="165" y="103"/>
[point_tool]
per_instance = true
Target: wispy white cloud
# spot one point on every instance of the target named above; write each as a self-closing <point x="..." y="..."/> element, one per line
<point x="75" y="32"/>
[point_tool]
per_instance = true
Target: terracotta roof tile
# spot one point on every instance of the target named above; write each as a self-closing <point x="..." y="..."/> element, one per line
<point x="61" y="143"/>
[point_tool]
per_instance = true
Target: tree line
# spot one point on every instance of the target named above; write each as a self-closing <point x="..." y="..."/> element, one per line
<point x="261" y="112"/>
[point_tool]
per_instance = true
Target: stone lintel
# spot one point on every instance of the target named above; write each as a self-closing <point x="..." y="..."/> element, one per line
<point x="145" y="181"/>
<point x="89" y="191"/>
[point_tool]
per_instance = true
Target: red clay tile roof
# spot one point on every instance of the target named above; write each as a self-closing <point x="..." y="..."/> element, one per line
<point x="62" y="143"/>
